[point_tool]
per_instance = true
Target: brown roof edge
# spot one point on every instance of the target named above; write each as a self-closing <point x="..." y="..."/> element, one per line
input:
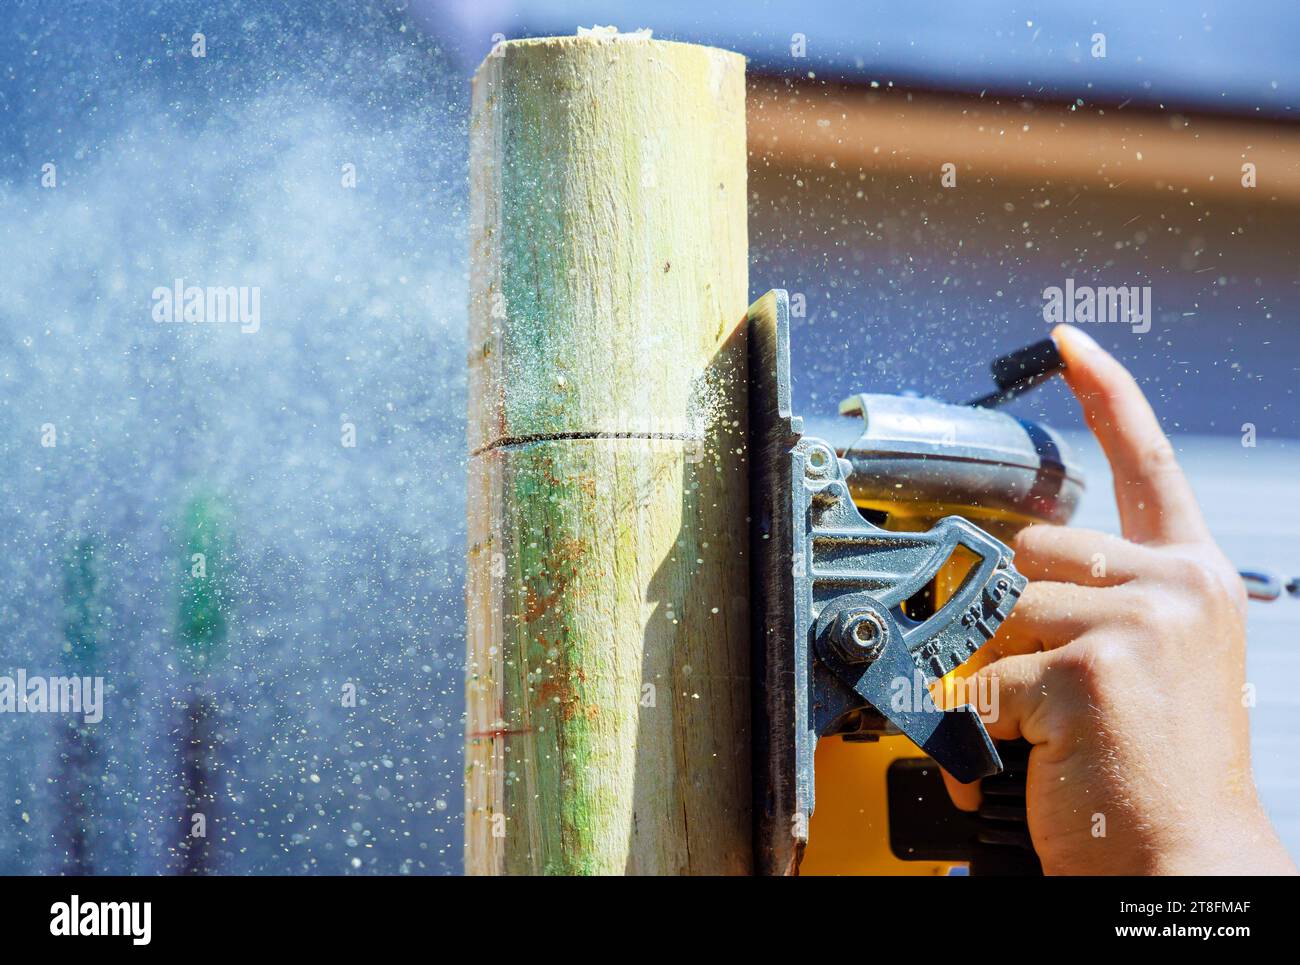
<point x="811" y="126"/>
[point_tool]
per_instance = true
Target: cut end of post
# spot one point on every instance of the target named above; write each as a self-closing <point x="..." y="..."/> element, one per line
<point x="596" y="35"/>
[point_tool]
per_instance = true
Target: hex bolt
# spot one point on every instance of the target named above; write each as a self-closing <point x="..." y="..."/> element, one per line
<point x="860" y="636"/>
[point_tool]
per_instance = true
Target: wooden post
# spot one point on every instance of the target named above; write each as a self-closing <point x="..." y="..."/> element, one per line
<point x="607" y="592"/>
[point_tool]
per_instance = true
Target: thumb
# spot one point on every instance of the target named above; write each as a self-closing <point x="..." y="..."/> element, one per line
<point x="966" y="797"/>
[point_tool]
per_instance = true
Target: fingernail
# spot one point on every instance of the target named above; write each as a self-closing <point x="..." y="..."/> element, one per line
<point x="1079" y="337"/>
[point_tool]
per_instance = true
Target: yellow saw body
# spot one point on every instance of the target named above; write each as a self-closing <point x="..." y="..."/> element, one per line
<point x="848" y="832"/>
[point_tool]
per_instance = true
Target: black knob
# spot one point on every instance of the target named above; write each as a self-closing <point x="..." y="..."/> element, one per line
<point x="1021" y="370"/>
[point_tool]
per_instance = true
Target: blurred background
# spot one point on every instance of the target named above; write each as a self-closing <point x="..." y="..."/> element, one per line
<point x="305" y="692"/>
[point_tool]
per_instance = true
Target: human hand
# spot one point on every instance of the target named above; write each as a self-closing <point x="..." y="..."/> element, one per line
<point x="1123" y="663"/>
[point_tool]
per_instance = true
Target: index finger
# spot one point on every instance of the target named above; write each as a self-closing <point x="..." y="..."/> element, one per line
<point x="1156" y="503"/>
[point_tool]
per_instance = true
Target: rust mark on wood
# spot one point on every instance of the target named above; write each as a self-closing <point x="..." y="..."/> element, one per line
<point x="560" y="565"/>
